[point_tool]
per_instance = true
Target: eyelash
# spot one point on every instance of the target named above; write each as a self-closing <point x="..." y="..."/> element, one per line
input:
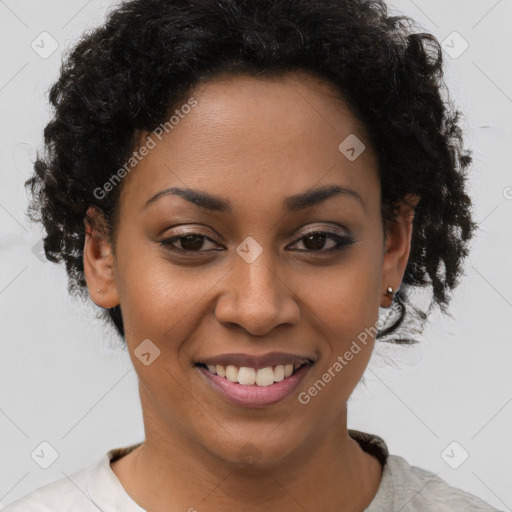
<point x="342" y="242"/>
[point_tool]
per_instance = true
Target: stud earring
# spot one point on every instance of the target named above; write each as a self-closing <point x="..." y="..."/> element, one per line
<point x="389" y="291"/>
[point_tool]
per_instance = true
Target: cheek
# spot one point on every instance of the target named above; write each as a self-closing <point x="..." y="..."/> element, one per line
<point x="156" y="295"/>
<point x="347" y="296"/>
<point x="346" y="311"/>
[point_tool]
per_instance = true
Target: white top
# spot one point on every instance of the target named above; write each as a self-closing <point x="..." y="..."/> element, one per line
<point x="403" y="488"/>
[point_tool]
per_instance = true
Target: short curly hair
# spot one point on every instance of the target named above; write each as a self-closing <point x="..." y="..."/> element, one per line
<point x="125" y="77"/>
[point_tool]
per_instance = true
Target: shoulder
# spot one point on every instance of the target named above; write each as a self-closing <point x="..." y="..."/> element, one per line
<point x="411" y="489"/>
<point x="67" y="493"/>
<point x="418" y="490"/>
<point x="91" y="488"/>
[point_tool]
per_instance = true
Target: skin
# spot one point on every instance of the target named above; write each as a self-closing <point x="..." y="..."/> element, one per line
<point x="253" y="142"/>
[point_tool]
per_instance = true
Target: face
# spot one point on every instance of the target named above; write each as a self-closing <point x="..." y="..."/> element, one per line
<point x="277" y="247"/>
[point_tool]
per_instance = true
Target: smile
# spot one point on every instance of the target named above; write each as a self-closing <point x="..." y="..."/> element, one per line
<point x="253" y="376"/>
<point x="251" y="387"/>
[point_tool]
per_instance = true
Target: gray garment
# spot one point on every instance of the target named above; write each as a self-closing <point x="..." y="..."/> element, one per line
<point x="403" y="488"/>
<point x="406" y="488"/>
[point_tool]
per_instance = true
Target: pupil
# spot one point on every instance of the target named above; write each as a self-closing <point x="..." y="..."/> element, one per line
<point x="189" y="240"/>
<point x="320" y="239"/>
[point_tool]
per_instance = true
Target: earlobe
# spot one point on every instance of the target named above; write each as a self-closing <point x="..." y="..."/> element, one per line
<point x="397" y="249"/>
<point x="98" y="264"/>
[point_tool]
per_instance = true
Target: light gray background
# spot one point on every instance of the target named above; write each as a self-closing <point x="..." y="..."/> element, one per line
<point x="65" y="381"/>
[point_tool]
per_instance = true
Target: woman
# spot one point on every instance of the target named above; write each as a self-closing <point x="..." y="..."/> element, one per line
<point x="241" y="186"/>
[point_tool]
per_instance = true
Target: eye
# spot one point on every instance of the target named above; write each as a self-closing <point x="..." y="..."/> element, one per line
<point x="190" y="242"/>
<point x="315" y="241"/>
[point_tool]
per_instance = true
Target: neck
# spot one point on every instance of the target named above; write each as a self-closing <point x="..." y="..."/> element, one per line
<point x="331" y="473"/>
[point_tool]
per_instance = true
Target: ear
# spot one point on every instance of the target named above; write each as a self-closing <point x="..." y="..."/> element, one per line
<point x="397" y="248"/>
<point x="99" y="261"/>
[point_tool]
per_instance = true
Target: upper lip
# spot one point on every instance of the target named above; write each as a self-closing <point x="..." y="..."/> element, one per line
<point x="256" y="361"/>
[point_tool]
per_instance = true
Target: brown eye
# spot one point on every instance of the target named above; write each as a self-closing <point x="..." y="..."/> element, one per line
<point x="192" y="242"/>
<point x="316" y="241"/>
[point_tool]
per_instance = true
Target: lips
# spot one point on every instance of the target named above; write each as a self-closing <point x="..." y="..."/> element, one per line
<point x="255" y="395"/>
<point x="255" y="380"/>
<point x="256" y="361"/>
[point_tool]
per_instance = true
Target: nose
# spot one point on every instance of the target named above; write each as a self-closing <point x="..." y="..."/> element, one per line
<point x="256" y="298"/>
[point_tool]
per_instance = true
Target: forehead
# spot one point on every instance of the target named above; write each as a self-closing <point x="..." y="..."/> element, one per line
<point x="263" y="106"/>
<point x="278" y="135"/>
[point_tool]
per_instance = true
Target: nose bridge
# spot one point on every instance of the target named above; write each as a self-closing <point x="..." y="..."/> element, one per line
<point x="257" y="280"/>
<point x="256" y="298"/>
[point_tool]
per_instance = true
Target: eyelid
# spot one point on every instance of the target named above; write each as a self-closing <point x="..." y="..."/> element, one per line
<point x="342" y="240"/>
<point x="168" y="241"/>
<point x="324" y="229"/>
<point x="190" y="231"/>
<point x="310" y="230"/>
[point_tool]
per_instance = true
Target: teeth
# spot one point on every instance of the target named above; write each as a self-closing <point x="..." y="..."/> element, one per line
<point x="247" y="376"/>
<point x="265" y="376"/>
<point x="252" y="376"/>
<point x="232" y="373"/>
<point x="278" y="373"/>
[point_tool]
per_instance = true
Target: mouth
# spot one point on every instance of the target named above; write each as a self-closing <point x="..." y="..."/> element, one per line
<point x="255" y="386"/>
<point x="248" y="376"/>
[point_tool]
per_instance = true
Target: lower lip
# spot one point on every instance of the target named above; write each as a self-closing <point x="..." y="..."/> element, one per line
<point x="255" y="396"/>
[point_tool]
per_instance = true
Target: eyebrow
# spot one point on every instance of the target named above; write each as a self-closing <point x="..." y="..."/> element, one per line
<point x="292" y="203"/>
